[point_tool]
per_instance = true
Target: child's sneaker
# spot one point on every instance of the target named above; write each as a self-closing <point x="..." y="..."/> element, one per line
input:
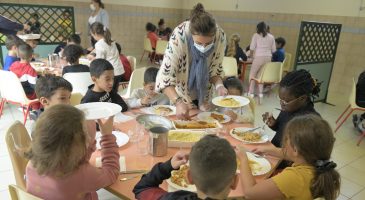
<point x="355" y="120"/>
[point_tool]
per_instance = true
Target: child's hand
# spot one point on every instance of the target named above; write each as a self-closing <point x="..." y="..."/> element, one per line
<point x="146" y="100"/>
<point x="90" y="57"/>
<point x="268" y="119"/>
<point x="106" y="127"/>
<point x="231" y="114"/>
<point x="267" y="149"/>
<point x="180" y="158"/>
<point x="241" y="154"/>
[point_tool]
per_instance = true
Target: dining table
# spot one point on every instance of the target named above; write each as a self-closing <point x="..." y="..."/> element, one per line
<point x="135" y="161"/>
<point x="244" y="65"/>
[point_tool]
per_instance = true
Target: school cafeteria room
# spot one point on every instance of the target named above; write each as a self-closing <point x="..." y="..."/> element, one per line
<point x="182" y="99"/>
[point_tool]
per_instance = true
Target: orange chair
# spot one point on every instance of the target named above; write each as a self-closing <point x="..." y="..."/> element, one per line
<point x="12" y="92"/>
<point x="18" y="141"/>
<point x="352" y="106"/>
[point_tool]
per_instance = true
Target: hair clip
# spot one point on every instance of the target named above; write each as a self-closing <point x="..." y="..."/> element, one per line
<point x="325" y="165"/>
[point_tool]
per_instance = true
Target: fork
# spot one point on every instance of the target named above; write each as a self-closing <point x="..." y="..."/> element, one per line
<point x="129" y="178"/>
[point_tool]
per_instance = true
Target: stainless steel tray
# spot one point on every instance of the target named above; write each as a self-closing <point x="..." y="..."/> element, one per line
<point x="149" y="121"/>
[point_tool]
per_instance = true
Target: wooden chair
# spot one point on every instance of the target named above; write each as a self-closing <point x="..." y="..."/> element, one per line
<point x="147" y="47"/>
<point x="17" y="193"/>
<point x="230" y="68"/>
<point x="11" y="91"/>
<point x="18" y="141"/>
<point x="352" y="107"/>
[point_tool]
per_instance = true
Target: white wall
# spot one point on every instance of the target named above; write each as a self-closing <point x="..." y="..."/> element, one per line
<point x="315" y="7"/>
<point x="148" y="3"/>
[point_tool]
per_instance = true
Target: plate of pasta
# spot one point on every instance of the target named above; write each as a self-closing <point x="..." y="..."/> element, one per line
<point x="230" y="101"/>
<point x="247" y="136"/>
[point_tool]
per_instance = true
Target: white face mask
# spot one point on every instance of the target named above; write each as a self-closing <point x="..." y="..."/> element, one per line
<point x="92" y="7"/>
<point x="203" y="49"/>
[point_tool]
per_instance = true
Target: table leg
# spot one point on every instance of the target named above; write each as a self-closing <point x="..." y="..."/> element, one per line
<point x="243" y="71"/>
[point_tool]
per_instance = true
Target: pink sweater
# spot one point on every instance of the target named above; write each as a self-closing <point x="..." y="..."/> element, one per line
<point x="84" y="182"/>
<point x="263" y="46"/>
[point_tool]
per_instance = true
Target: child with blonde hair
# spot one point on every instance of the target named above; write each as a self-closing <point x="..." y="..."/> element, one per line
<point x="59" y="165"/>
<point x="308" y="142"/>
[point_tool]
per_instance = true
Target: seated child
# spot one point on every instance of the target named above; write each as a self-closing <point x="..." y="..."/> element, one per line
<point x="213" y="168"/>
<point x="72" y="39"/>
<point x="53" y="90"/>
<point x="243" y="114"/>
<point x="73" y="53"/>
<point x="308" y="142"/>
<point x="64" y="171"/>
<point x="279" y="54"/>
<point x="25" y="72"/>
<point x="359" y="121"/>
<point x="12" y="43"/>
<point x="126" y="65"/>
<point x="34" y="24"/>
<point x="102" y="74"/>
<point x="147" y="96"/>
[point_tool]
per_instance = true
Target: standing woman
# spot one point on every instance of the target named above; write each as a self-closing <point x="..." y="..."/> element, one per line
<point x="106" y="48"/>
<point x="262" y="46"/>
<point x="98" y="14"/>
<point x="193" y="63"/>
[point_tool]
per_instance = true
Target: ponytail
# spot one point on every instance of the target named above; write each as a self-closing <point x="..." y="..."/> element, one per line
<point x="326" y="182"/>
<point x="107" y="36"/>
<point x="98" y="28"/>
<point x="202" y="22"/>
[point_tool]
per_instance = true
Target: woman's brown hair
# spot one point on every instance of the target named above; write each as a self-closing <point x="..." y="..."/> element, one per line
<point x="98" y="28"/>
<point x="202" y="22"/>
<point x="231" y="47"/>
<point x="313" y="138"/>
<point x="59" y="141"/>
<point x="101" y="4"/>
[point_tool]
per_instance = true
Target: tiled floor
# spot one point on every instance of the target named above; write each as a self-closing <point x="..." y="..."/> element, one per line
<point x="349" y="157"/>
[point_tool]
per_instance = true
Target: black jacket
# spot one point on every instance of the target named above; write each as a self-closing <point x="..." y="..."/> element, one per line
<point x="285" y="117"/>
<point x="111" y="97"/>
<point x="148" y="187"/>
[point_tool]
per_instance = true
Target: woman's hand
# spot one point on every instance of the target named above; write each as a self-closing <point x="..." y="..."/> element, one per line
<point x="180" y="158"/>
<point x="182" y="110"/>
<point x="106" y="127"/>
<point x="222" y="91"/>
<point x="204" y="107"/>
<point x="269" y="119"/>
<point x="146" y="100"/>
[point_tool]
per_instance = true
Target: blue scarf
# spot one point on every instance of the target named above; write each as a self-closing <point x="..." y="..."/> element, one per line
<point x="199" y="71"/>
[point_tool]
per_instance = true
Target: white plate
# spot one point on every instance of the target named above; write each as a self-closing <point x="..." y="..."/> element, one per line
<point x="30" y="36"/>
<point x="262" y="167"/>
<point x="242" y="100"/>
<point x="122" y="138"/>
<point x="205" y="116"/>
<point x="264" y="138"/>
<point x="153" y="110"/>
<point x="172" y="187"/>
<point x="37" y="65"/>
<point x="99" y="110"/>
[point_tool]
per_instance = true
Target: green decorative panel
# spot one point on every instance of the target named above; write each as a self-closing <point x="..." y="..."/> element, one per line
<point x="54" y="27"/>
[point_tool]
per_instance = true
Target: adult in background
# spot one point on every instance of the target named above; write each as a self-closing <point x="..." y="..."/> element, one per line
<point x="193" y="63"/>
<point x="261" y="48"/>
<point x="234" y="50"/>
<point x="10" y="27"/>
<point x="98" y="14"/>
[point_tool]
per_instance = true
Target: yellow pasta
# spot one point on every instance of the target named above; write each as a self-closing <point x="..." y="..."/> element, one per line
<point x="229" y="102"/>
